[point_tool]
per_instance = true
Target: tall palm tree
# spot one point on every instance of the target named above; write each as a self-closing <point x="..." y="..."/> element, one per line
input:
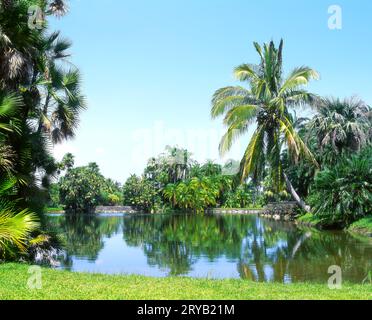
<point x="178" y="163"/>
<point x="34" y="64"/>
<point x="266" y="102"/>
<point x="210" y="168"/>
<point x="61" y="98"/>
<point x="340" y="126"/>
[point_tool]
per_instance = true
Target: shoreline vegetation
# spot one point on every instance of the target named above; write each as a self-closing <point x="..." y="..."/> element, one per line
<point x="58" y="285"/>
<point x="362" y="226"/>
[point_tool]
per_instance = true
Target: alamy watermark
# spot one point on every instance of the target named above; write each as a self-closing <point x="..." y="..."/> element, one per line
<point x="201" y="141"/>
<point x="34" y="282"/>
<point x="335" y="18"/>
<point x="35" y="17"/>
<point x="335" y="280"/>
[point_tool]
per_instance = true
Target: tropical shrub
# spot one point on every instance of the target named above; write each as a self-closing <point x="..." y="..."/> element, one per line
<point x="111" y="199"/>
<point x="111" y="194"/>
<point x="80" y="188"/>
<point x="342" y="194"/>
<point x="141" y="194"/>
<point x="54" y="200"/>
<point x="244" y="196"/>
<point x="195" y="194"/>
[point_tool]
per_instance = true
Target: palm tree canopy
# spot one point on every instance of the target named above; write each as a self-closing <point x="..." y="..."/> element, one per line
<point x="266" y="103"/>
<point x="341" y="124"/>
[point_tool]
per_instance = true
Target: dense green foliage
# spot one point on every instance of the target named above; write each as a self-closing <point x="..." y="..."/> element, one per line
<point x="44" y="91"/>
<point x="195" y="194"/>
<point x="174" y="181"/>
<point x="286" y="151"/>
<point x="343" y="193"/>
<point x="80" y="188"/>
<point x="142" y="194"/>
<point x="340" y="128"/>
<point x="363" y="226"/>
<point x="84" y="188"/>
<point x="339" y="136"/>
<point x="40" y="104"/>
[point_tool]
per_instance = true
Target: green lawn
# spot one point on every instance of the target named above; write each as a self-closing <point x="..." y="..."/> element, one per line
<point x="67" y="285"/>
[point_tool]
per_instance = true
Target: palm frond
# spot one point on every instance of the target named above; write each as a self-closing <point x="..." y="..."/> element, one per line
<point x="235" y="131"/>
<point x="15" y="228"/>
<point x="228" y="97"/>
<point x="302" y="98"/>
<point x="298" y="77"/>
<point x="295" y="144"/>
<point x="252" y="163"/>
<point x="246" y="72"/>
<point x="241" y="114"/>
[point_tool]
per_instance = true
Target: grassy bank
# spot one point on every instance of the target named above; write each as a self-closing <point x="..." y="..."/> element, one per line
<point x="54" y="210"/>
<point x="309" y="219"/>
<point x="67" y="285"/>
<point x="363" y="226"/>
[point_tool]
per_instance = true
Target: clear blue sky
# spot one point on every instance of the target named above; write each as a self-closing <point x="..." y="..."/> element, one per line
<point x="151" y="67"/>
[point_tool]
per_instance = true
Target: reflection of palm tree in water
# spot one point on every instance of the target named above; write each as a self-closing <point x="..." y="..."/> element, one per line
<point x="273" y="252"/>
<point x="265" y="250"/>
<point x="269" y="250"/>
<point x="84" y="235"/>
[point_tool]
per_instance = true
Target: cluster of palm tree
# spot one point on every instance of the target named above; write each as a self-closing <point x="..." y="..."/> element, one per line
<point x="40" y="102"/>
<point x="283" y="149"/>
<point x="174" y="181"/>
<point x="340" y="127"/>
<point x="171" y="166"/>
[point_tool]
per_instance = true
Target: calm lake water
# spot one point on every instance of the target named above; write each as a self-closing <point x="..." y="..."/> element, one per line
<point x="231" y="246"/>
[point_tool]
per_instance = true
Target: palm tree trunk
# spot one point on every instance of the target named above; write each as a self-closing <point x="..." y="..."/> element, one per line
<point x="295" y="195"/>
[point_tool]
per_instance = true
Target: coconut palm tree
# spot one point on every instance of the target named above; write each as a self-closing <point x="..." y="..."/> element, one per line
<point x="266" y="102"/>
<point x="340" y="126"/>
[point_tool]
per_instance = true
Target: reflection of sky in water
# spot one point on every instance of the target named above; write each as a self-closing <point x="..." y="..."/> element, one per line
<point x="118" y="257"/>
<point x="247" y="254"/>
